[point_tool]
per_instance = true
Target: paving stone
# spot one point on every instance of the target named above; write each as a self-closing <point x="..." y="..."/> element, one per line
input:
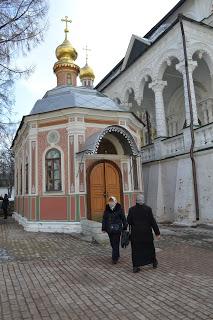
<point x="56" y="276"/>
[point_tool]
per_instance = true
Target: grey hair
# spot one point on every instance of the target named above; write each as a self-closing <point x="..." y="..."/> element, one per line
<point x="140" y="198"/>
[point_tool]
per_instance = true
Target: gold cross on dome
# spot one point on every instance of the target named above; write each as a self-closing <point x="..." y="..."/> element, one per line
<point x="86" y="49"/>
<point x="66" y="20"/>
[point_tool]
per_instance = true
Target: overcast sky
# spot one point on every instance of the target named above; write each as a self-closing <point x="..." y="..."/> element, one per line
<point x="105" y="26"/>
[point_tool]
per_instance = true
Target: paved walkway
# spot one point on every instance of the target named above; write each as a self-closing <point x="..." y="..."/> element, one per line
<point x="53" y="276"/>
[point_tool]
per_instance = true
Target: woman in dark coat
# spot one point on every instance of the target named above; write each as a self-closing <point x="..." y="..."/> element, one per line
<point x="142" y="222"/>
<point x="114" y="221"/>
<point x="5" y="204"/>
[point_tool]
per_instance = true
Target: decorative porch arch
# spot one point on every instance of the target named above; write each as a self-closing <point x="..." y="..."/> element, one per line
<point x="124" y="136"/>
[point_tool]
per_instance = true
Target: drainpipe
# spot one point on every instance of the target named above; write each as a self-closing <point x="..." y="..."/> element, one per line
<point x="148" y="128"/>
<point x="194" y="170"/>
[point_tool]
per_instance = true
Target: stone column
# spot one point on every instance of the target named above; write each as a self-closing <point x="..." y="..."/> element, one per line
<point x="181" y="68"/>
<point x="158" y="86"/>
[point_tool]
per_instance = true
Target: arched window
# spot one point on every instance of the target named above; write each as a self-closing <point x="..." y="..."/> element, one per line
<point x="53" y="170"/>
<point x="69" y="79"/>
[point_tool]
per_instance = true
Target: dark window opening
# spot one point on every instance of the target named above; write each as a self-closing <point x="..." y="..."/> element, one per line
<point x="135" y="174"/>
<point x="69" y="79"/>
<point x="106" y="147"/>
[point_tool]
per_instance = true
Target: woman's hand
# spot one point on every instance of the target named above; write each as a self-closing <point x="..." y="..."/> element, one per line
<point x="158" y="237"/>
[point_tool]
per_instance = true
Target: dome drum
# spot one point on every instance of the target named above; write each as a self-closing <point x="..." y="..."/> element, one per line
<point x="68" y="66"/>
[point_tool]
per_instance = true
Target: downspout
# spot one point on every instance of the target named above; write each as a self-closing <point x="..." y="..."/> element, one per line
<point x="194" y="170"/>
<point x="148" y="128"/>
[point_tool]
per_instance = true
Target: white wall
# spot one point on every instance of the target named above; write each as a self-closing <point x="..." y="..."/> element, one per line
<point x="174" y="200"/>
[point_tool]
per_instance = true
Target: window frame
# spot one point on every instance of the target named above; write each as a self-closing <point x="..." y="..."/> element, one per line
<point x="69" y="79"/>
<point x="53" y="161"/>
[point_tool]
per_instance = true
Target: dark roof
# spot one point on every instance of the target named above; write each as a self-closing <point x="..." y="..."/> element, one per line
<point x="137" y="48"/>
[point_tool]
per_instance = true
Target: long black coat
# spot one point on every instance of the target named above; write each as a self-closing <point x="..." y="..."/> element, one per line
<point x="5" y="203"/>
<point x="115" y="216"/>
<point x="142" y="222"/>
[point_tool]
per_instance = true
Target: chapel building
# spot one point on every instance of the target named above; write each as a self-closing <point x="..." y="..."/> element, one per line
<point x="76" y="148"/>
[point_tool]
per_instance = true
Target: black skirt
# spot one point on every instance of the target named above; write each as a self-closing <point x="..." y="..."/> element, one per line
<point x="143" y="253"/>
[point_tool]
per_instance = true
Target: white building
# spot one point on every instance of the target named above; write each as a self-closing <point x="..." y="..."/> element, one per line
<point x="166" y="78"/>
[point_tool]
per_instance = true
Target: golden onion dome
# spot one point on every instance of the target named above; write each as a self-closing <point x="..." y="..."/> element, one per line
<point x="86" y="72"/>
<point x="65" y="52"/>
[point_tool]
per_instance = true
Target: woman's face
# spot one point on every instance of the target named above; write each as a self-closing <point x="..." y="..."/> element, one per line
<point x="111" y="203"/>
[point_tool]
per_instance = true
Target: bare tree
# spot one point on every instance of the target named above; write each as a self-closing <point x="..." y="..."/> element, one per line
<point x="22" y="25"/>
<point x="7" y="157"/>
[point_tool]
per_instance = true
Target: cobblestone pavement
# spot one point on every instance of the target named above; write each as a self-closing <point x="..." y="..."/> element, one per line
<point x="54" y="276"/>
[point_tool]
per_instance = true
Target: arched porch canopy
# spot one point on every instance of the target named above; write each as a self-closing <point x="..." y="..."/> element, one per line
<point x="124" y="137"/>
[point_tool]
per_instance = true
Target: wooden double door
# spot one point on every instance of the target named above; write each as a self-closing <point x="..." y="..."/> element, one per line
<point x="104" y="181"/>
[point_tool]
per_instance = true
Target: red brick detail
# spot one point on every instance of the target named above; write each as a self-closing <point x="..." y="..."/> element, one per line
<point x="133" y="199"/>
<point x="82" y="207"/>
<point x="101" y="121"/>
<point x="81" y="177"/>
<point x="33" y="166"/>
<point x="61" y="74"/>
<point x="26" y="207"/>
<point x="33" y="208"/>
<point x="72" y="207"/>
<point x="92" y="130"/>
<point x="72" y="164"/>
<point x="21" y="205"/>
<point x="52" y="123"/>
<point x="126" y="203"/>
<point x="53" y="208"/>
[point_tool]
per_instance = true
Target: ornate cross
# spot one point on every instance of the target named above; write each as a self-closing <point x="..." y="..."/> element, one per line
<point x="66" y="20"/>
<point x="86" y="49"/>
